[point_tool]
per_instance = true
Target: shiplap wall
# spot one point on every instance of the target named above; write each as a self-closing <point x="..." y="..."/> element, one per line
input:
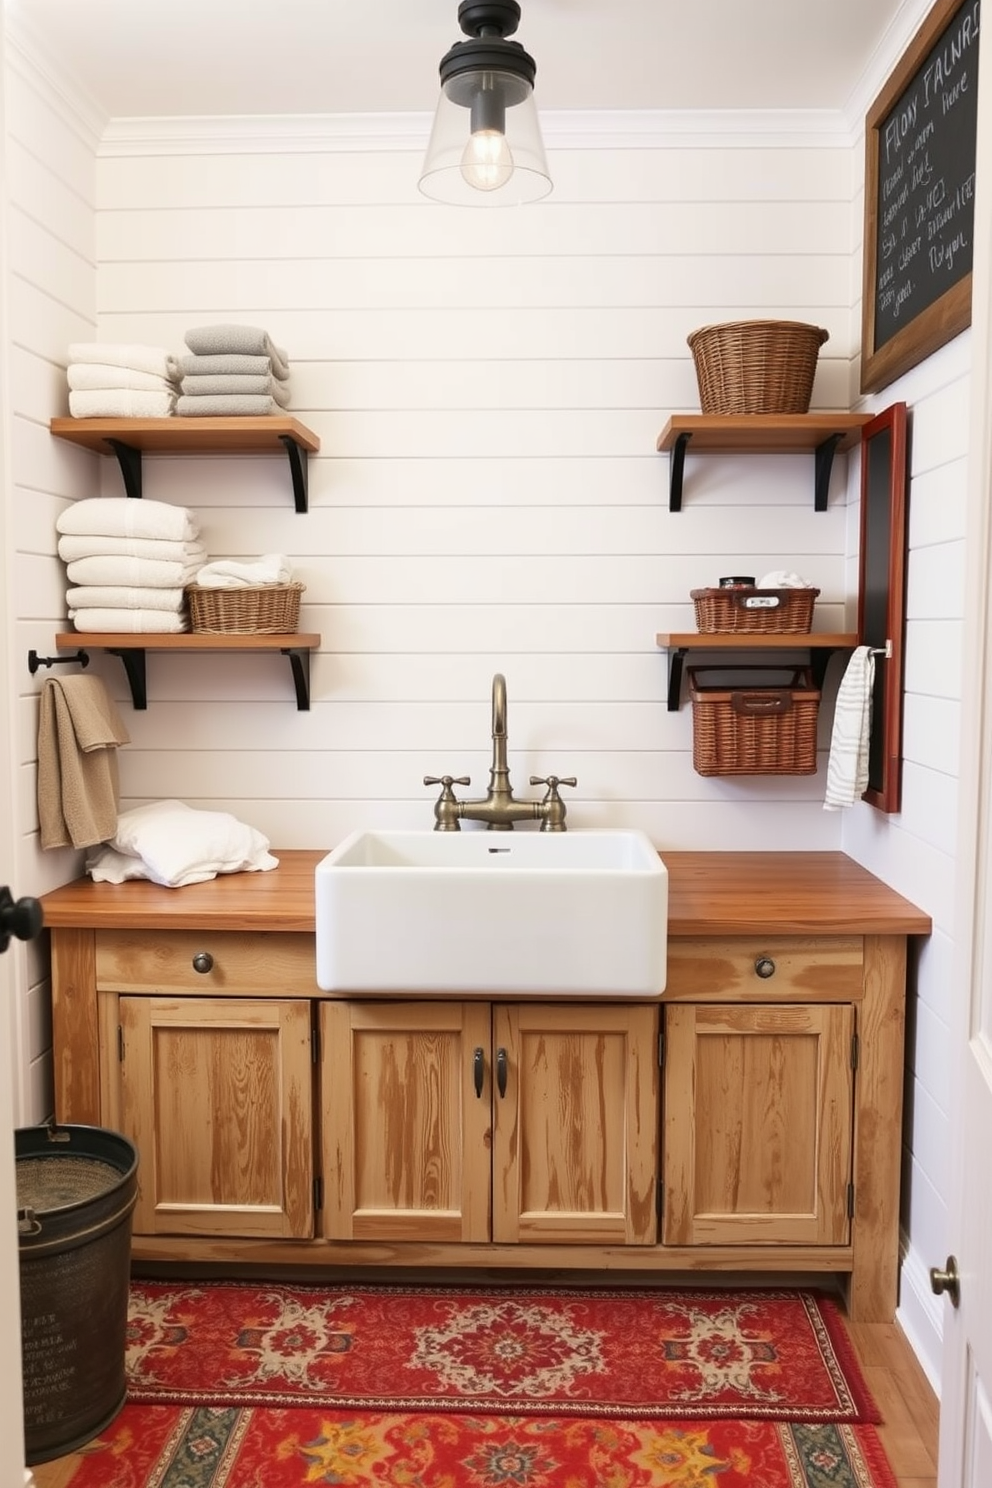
<point x="488" y="388"/>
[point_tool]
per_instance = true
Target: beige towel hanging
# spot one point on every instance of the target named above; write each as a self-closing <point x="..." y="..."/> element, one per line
<point x="79" y="729"/>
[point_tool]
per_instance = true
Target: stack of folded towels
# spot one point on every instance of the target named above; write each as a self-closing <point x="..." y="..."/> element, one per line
<point x="232" y="369"/>
<point x="128" y="562"/>
<point x="113" y="380"/>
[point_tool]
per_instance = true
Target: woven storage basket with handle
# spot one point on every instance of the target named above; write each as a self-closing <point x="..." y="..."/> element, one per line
<point x="756" y="366"/>
<point x="753" y="721"/>
<point x="754" y="611"/>
<point x="255" y="609"/>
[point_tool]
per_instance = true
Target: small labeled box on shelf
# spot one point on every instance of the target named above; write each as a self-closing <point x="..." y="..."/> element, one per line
<point x="753" y="720"/>
<point x="736" y="609"/>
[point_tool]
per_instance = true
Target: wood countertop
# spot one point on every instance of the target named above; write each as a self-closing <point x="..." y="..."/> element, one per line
<point x="710" y="893"/>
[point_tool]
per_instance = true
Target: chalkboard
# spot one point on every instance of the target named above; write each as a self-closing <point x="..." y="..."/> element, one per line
<point x="882" y="592"/>
<point x="920" y="145"/>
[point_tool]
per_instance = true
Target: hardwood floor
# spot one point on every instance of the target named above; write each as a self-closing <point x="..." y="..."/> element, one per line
<point x="904" y="1396"/>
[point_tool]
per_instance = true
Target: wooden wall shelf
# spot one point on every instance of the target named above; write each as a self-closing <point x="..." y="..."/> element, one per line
<point x="132" y="649"/>
<point x="130" y="438"/>
<point x="760" y="434"/>
<point x="820" y="644"/>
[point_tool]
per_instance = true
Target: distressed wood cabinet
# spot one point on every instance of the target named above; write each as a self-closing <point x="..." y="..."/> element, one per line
<point x="757" y="1105"/>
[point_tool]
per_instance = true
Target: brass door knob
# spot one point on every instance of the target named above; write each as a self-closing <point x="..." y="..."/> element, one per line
<point x="948" y="1280"/>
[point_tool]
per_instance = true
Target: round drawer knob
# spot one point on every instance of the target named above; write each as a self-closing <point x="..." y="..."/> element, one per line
<point x="203" y="962"/>
<point x="764" y="967"/>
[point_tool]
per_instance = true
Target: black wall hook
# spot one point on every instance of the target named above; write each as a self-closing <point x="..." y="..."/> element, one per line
<point x="35" y="661"/>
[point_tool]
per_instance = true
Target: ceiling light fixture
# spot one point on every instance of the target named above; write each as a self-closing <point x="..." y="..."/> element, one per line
<point x="487" y="84"/>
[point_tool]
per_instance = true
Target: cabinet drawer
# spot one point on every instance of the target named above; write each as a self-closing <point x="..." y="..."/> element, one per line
<point x="814" y="969"/>
<point x="255" y="963"/>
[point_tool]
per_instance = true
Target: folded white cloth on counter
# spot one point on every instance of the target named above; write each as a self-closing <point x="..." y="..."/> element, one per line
<point x="130" y="622"/>
<point x="215" y="340"/>
<point x="121" y="403"/>
<point x="122" y="597"/>
<point x="210" y="385"/>
<point x="87" y="376"/>
<point x="121" y="516"/>
<point x="133" y="573"/>
<point x="229" y="573"/>
<point x="232" y="364"/>
<point x="174" y="844"/>
<point x="72" y="547"/>
<point x="227" y="405"/>
<point x="847" y="766"/>
<point x="136" y="355"/>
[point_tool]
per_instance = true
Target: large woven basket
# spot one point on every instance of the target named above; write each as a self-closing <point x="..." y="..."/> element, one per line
<point x="756" y="366"/>
<point x="749" y="723"/>
<point x="255" y="609"/>
<point x="753" y="611"/>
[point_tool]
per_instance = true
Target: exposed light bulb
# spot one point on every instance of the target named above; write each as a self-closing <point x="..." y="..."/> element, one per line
<point x="486" y="160"/>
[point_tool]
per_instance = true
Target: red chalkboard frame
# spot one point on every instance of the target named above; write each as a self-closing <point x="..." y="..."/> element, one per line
<point x="939" y="322"/>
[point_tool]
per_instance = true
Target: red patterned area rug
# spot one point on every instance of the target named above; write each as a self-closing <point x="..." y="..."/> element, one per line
<point x="610" y="1353"/>
<point x="156" y="1446"/>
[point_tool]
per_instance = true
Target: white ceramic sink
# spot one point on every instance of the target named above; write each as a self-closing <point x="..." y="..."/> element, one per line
<point x="547" y="913"/>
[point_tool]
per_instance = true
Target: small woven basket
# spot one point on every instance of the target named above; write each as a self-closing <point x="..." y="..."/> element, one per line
<point x="255" y="609"/>
<point x="753" y="611"/>
<point x="756" y="366"/>
<point x="767" y="728"/>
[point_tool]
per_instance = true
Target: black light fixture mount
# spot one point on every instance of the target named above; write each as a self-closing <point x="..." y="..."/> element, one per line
<point x="487" y="84"/>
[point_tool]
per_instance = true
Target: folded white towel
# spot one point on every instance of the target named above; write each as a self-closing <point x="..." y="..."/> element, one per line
<point x="781" y="578"/>
<point x="847" y="766"/>
<point x="227" y="405"/>
<point x="209" y="385"/>
<point x="120" y="597"/>
<point x="121" y="403"/>
<point x="130" y="622"/>
<point x="138" y="357"/>
<point x="121" y="516"/>
<point x="133" y="573"/>
<point x="72" y="547"/>
<point x="87" y="376"/>
<point x="214" y="340"/>
<point x="234" y="364"/>
<point x="230" y="573"/>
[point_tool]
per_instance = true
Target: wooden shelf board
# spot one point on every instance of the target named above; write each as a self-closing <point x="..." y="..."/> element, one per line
<point x="187" y="435"/>
<point x="694" y="640"/>
<point x="762" y="433"/>
<point x="67" y="640"/>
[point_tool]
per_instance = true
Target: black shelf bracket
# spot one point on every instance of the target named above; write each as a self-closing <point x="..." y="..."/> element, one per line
<point x="299" y="471"/>
<point x="134" y="670"/>
<point x="823" y="458"/>
<point x="676" y="472"/>
<point x="299" y="660"/>
<point x="676" y="664"/>
<point x="129" y="459"/>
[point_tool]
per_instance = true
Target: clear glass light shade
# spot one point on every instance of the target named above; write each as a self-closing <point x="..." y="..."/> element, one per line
<point x="484" y="151"/>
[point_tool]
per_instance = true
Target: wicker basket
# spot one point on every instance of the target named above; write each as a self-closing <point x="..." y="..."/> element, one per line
<point x="756" y="366"/>
<point x="746" y="725"/>
<point x="256" y="609"/>
<point x="754" y="611"/>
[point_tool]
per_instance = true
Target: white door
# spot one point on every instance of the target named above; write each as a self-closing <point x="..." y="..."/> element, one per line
<point x="966" y="1374"/>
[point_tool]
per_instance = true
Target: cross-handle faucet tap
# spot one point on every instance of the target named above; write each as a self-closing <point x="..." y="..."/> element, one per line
<point x="499" y="808"/>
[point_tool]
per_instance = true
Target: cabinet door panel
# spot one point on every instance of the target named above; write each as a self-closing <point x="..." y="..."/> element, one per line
<point x="575" y="1135"/>
<point x="758" y="1124"/>
<point x="217" y="1095"/>
<point x="406" y="1135"/>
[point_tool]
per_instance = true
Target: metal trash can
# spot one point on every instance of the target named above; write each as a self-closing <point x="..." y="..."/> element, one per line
<point x="76" y="1189"/>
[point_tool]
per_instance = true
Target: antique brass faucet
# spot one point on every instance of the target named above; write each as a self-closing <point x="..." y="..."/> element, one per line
<point x="499" y="808"/>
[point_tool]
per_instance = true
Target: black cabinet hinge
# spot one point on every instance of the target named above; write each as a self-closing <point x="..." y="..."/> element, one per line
<point x="850" y="1201"/>
<point x="318" y="1193"/>
<point x="659" y="1198"/>
<point x="855" y="1050"/>
<point x="120" y="1043"/>
<point x="661" y="1048"/>
<point x="314" y="1045"/>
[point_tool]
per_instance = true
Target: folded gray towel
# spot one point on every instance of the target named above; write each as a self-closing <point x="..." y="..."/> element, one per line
<point x="216" y="340"/>
<point x="205" y="387"/>
<point x="223" y="405"/>
<point x="231" y="364"/>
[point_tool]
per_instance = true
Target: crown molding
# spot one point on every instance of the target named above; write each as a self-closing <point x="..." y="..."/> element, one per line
<point x="588" y="130"/>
